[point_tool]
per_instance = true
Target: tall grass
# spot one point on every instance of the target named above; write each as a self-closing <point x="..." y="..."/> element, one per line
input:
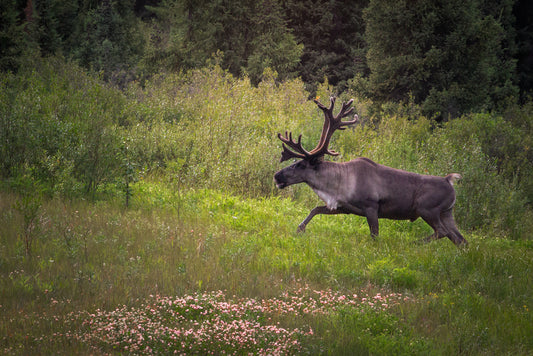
<point x="92" y="256"/>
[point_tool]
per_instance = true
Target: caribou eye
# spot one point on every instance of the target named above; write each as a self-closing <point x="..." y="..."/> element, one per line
<point x="301" y="165"/>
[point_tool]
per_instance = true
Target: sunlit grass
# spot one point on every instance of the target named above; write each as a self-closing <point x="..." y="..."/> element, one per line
<point x="101" y="259"/>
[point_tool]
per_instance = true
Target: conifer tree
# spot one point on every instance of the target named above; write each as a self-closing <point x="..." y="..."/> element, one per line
<point x="108" y="39"/>
<point x="12" y="36"/>
<point x="449" y="56"/>
<point x="332" y="32"/>
<point x="250" y="35"/>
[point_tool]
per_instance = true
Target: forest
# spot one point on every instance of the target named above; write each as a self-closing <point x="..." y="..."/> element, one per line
<point x="138" y="145"/>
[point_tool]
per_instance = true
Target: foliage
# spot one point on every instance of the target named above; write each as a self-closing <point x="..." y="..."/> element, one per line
<point x="111" y="41"/>
<point x="506" y="141"/>
<point x="332" y="34"/>
<point x="225" y="128"/>
<point x="205" y="322"/>
<point x="523" y="12"/>
<point x="14" y="44"/>
<point x="467" y="146"/>
<point x="70" y="135"/>
<point x="451" y="56"/>
<point x="58" y="127"/>
<point x="193" y="150"/>
<point x="252" y="36"/>
<point x="28" y="206"/>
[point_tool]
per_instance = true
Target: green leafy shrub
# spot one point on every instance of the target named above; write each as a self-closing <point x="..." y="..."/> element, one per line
<point x="215" y="130"/>
<point x="58" y="125"/>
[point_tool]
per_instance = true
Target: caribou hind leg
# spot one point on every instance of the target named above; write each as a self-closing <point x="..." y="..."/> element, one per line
<point x="433" y="219"/>
<point x="443" y="225"/>
<point x="432" y="237"/>
<point x="453" y="233"/>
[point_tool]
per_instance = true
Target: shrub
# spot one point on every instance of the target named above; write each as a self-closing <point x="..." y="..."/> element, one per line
<point x="214" y="130"/>
<point x="64" y="129"/>
<point x="58" y="125"/>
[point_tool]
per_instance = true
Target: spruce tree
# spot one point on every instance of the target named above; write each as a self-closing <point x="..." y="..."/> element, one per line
<point x="450" y="56"/>
<point x="332" y="32"/>
<point x="249" y="35"/>
<point x="13" y="36"/>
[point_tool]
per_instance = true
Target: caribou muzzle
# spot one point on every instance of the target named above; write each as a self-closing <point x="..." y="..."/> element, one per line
<point x="279" y="179"/>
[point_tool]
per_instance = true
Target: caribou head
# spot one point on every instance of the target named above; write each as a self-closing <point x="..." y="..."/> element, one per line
<point x="298" y="172"/>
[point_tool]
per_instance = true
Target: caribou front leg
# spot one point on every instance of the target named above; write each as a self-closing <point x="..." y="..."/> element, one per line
<point x="320" y="210"/>
<point x="373" y="222"/>
<point x="370" y="212"/>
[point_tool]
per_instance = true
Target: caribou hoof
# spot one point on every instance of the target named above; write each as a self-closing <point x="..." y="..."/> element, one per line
<point x="301" y="229"/>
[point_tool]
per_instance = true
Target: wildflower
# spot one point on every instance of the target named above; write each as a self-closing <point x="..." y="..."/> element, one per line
<point x="195" y="323"/>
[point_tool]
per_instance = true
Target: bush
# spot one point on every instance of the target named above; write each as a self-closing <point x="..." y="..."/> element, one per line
<point x="58" y="125"/>
<point x="214" y="130"/>
<point x="491" y="191"/>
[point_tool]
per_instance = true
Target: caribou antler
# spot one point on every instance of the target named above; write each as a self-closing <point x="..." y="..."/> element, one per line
<point x="299" y="151"/>
<point x="331" y="124"/>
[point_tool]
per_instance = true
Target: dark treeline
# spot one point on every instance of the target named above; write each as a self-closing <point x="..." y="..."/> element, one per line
<point x="450" y="57"/>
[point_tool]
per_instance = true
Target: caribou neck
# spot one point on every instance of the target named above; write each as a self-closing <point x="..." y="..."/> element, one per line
<point x="327" y="181"/>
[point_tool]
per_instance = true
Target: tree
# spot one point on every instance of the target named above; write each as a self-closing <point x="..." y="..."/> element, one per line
<point x="14" y="39"/>
<point x="49" y="19"/>
<point x="449" y="55"/>
<point x="332" y="32"/>
<point x="251" y="35"/>
<point x="100" y="34"/>
<point x="272" y="44"/>
<point x="109" y="39"/>
<point x="524" y="18"/>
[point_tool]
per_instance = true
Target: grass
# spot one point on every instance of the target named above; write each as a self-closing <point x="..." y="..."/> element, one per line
<point x="201" y="268"/>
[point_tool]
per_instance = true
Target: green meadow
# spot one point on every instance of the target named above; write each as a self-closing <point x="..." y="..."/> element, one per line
<point x="146" y="221"/>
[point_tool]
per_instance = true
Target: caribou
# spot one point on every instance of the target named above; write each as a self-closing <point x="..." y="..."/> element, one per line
<point x="365" y="188"/>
